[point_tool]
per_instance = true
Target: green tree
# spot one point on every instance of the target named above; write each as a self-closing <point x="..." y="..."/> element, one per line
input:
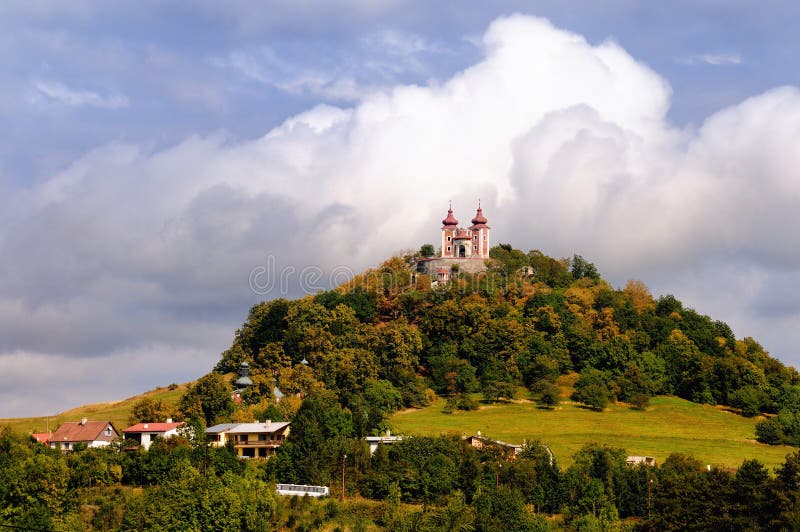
<point x="427" y="250"/>
<point x="210" y="396"/>
<point x="592" y="389"/>
<point x="581" y="268"/>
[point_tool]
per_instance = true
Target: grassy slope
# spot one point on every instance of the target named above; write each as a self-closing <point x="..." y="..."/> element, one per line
<point x="117" y="412"/>
<point x="669" y="425"/>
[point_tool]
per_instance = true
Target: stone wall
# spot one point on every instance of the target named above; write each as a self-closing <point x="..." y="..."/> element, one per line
<point x="470" y="265"/>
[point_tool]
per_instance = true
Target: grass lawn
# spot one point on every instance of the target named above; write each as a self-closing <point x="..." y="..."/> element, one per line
<point x="116" y="412"/>
<point x="670" y="424"/>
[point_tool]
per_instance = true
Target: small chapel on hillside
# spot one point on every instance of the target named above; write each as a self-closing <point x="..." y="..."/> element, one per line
<point x="464" y="249"/>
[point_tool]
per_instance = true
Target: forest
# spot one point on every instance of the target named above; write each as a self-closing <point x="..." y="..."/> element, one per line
<point x="346" y="359"/>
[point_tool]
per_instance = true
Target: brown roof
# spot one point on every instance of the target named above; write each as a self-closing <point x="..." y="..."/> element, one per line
<point x="75" y="431"/>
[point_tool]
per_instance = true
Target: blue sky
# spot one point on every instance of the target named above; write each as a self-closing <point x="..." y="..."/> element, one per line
<point x="157" y="154"/>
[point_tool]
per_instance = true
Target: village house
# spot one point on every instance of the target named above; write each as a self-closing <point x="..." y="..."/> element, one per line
<point x="91" y="433"/>
<point x="218" y="434"/>
<point x="41" y="437"/>
<point x="637" y="460"/>
<point x="145" y="433"/>
<point x="375" y="441"/>
<point x="481" y="442"/>
<point x="250" y="440"/>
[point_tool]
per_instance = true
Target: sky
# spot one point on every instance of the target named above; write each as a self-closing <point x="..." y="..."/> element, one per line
<point x="166" y="165"/>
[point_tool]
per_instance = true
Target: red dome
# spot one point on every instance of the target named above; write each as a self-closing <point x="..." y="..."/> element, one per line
<point x="479" y="219"/>
<point x="450" y="220"/>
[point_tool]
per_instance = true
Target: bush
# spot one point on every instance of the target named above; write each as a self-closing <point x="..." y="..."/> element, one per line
<point x="640" y="401"/>
<point x="770" y="431"/>
<point x="467" y="402"/>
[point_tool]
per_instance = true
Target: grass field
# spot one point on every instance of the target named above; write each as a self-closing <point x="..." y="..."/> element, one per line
<point x="116" y="412"/>
<point x="669" y="425"/>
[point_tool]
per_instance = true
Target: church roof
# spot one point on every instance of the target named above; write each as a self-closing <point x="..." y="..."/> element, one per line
<point x="450" y="220"/>
<point x="479" y="220"/>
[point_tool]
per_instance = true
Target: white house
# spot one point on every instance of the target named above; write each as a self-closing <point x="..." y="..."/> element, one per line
<point x="388" y="439"/>
<point x="145" y="433"/>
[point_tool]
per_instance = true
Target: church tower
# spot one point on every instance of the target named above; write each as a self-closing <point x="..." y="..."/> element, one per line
<point x="480" y="234"/>
<point x="449" y="229"/>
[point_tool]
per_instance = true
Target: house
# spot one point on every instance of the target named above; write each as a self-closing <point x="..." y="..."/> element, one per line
<point x="91" y="433"/>
<point x="145" y="433"/>
<point x="250" y="440"/>
<point x="388" y="439"/>
<point x="637" y="460"/>
<point x="481" y="442"/>
<point x="41" y="437"/>
<point x="218" y="434"/>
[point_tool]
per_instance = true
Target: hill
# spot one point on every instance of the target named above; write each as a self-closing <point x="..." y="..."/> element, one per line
<point x="522" y="323"/>
<point x="116" y="412"/>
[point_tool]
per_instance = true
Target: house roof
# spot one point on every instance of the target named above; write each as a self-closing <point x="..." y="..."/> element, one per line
<point x="41" y="437"/>
<point x="253" y="428"/>
<point x="74" y="431"/>
<point x="222" y="427"/>
<point x="153" y="427"/>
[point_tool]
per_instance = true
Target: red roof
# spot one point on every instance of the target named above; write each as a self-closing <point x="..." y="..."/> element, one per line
<point x="41" y="437"/>
<point x="479" y="220"/>
<point x="153" y="427"/>
<point x="88" y="431"/>
<point x="450" y="220"/>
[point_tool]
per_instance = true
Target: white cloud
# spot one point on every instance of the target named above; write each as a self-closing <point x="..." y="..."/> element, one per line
<point x="711" y="59"/>
<point x="53" y="91"/>
<point x="567" y="144"/>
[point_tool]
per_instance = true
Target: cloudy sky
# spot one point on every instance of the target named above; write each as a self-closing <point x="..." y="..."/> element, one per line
<point x="163" y="166"/>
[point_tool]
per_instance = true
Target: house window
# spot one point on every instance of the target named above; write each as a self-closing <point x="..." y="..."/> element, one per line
<point x="262" y="437"/>
<point x="108" y="431"/>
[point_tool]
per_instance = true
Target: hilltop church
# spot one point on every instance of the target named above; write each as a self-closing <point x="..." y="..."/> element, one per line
<point x="465" y="248"/>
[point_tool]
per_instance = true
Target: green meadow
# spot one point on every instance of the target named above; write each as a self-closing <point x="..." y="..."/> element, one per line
<point x="714" y="435"/>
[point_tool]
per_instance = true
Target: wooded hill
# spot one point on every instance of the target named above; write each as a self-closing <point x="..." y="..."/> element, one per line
<point x="528" y="319"/>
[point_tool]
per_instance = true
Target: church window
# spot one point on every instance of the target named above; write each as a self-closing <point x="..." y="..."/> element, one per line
<point x="448" y="239"/>
<point x="448" y="248"/>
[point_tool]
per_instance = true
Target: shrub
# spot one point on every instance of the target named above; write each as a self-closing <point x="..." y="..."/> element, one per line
<point x="640" y="401"/>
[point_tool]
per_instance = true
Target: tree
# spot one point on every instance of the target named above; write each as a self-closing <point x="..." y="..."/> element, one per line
<point x="592" y="389"/>
<point x="581" y="268"/>
<point x="149" y="410"/>
<point x="427" y="250"/>
<point x="210" y="396"/>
